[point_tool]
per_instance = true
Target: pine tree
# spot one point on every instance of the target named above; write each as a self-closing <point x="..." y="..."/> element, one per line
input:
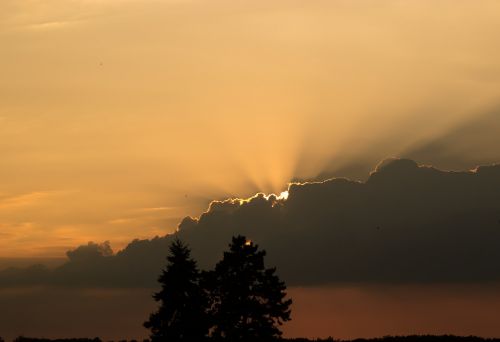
<point x="247" y="300"/>
<point x="182" y="314"/>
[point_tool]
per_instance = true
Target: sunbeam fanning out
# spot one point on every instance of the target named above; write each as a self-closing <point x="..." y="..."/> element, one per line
<point x="147" y="104"/>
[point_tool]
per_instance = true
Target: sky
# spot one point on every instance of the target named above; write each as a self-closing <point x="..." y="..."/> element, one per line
<point x="118" y="118"/>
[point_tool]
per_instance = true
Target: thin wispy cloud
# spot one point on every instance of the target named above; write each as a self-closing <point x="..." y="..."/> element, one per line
<point x="23" y="200"/>
<point x="155" y="209"/>
<point x="53" y="25"/>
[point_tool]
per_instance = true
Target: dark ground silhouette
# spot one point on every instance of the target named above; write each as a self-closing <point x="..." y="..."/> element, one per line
<point x="410" y="338"/>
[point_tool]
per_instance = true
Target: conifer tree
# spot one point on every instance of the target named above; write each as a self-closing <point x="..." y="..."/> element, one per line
<point x="248" y="301"/>
<point x="182" y="313"/>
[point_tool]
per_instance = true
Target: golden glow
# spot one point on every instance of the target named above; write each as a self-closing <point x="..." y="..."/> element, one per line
<point x="119" y="118"/>
<point x="283" y="195"/>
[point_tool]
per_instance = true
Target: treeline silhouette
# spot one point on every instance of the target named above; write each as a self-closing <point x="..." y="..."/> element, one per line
<point x="411" y="338"/>
<point x="239" y="300"/>
<point x="31" y="339"/>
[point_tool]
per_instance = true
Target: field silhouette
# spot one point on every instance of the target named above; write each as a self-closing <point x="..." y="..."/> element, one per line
<point x="410" y="338"/>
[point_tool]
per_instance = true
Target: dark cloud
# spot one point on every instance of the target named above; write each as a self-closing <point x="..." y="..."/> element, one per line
<point x="90" y="251"/>
<point x="32" y="275"/>
<point x="406" y="224"/>
<point x="111" y="314"/>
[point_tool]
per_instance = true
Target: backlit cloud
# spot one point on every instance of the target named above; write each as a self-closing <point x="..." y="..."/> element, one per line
<point x="405" y="224"/>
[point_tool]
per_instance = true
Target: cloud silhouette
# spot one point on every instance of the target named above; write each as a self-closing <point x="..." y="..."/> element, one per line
<point x="406" y="224"/>
<point x="90" y="251"/>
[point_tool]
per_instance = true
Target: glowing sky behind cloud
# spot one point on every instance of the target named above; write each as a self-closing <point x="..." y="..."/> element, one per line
<point x="118" y="118"/>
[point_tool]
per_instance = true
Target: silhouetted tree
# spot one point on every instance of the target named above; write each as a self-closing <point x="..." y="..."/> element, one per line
<point x="182" y="314"/>
<point x="247" y="300"/>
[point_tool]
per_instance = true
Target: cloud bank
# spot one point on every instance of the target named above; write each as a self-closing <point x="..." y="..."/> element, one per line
<point x="406" y="224"/>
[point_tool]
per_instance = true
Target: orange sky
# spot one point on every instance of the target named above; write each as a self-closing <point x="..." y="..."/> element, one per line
<point x="118" y="118"/>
